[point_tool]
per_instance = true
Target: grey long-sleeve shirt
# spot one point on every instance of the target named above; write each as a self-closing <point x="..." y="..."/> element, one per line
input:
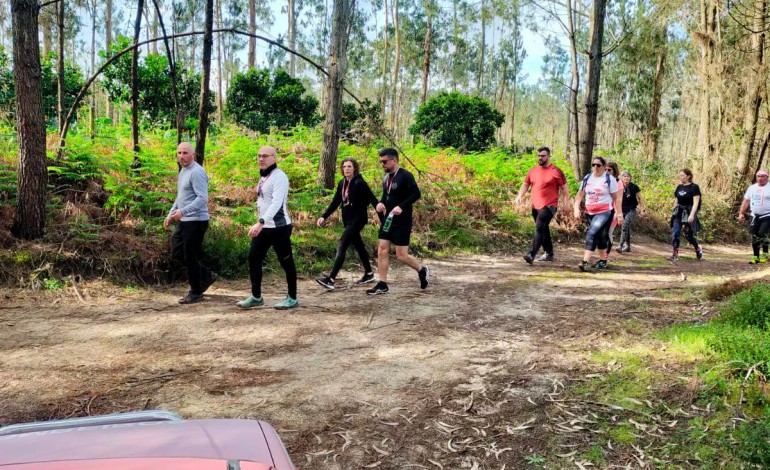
<point x="192" y="193"/>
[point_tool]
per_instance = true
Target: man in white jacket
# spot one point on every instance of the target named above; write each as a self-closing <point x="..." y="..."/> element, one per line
<point x="272" y="230"/>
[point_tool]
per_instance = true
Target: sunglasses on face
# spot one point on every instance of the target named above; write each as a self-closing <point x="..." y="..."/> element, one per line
<point x="596" y="164"/>
<point x="384" y="162"/>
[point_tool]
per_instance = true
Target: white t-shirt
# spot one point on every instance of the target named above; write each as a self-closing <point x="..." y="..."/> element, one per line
<point x="759" y="199"/>
<point x="598" y="194"/>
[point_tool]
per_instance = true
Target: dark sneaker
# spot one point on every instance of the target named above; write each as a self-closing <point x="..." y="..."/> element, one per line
<point x="326" y="282"/>
<point x="424" y="275"/>
<point x="529" y="258"/>
<point x="205" y="285"/>
<point x="601" y="264"/>
<point x="699" y="253"/>
<point x="191" y="298"/>
<point x="674" y="255"/>
<point x="251" y="302"/>
<point x="379" y="288"/>
<point x="365" y="279"/>
<point x="546" y="257"/>
<point x="585" y="266"/>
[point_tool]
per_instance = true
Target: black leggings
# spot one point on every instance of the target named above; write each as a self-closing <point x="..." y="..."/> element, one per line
<point x="598" y="232"/>
<point x="759" y="229"/>
<point x="677" y="227"/>
<point x="187" y="249"/>
<point x="280" y="239"/>
<point x="351" y="236"/>
<point x="542" y="232"/>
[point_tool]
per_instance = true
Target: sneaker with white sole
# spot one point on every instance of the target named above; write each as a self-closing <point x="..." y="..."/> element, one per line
<point x="546" y="257"/>
<point x="251" y="302"/>
<point x="326" y="282"/>
<point x="367" y="278"/>
<point x="286" y="304"/>
<point x="424" y="275"/>
<point x="379" y="288"/>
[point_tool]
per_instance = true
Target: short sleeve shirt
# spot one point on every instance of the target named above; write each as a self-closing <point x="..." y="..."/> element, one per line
<point x="685" y="194"/>
<point x="630" y="201"/>
<point x="545" y="182"/>
<point x="759" y="199"/>
<point x="599" y="194"/>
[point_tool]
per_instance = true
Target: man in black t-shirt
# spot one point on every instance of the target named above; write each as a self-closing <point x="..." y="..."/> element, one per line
<point x="399" y="193"/>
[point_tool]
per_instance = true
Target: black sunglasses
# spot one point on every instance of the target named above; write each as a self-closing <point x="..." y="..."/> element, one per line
<point x="596" y="164"/>
<point x="383" y="162"/>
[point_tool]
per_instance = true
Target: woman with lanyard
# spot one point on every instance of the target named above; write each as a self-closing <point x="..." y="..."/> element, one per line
<point x="355" y="196"/>
<point x="684" y="218"/>
<point x="602" y="200"/>
<point x="614" y="171"/>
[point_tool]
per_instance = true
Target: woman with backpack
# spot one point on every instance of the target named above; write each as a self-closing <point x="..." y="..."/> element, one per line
<point x="355" y="196"/>
<point x="684" y="218"/>
<point x="602" y="205"/>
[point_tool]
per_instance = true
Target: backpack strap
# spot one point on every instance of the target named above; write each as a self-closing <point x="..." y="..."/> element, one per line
<point x="585" y="182"/>
<point x="609" y="182"/>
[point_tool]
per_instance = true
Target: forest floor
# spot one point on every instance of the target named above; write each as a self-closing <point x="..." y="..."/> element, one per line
<point x="467" y="374"/>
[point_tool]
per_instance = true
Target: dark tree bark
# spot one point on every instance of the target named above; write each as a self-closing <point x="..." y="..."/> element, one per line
<point x="135" y="82"/>
<point x="220" y="96"/>
<point x="252" y="30"/>
<point x="753" y="97"/>
<point x="29" y="219"/>
<point x="652" y="135"/>
<point x="203" y="110"/>
<point x="60" y="62"/>
<point x="338" y="63"/>
<point x="396" y="69"/>
<point x="593" y="80"/>
<point x="172" y="74"/>
<point x="108" y="43"/>
<point x="573" y="126"/>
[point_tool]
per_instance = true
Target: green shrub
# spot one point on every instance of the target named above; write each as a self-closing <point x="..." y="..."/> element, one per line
<point x="749" y="308"/>
<point x="746" y="349"/>
<point x="459" y="121"/>
<point x="753" y="442"/>
<point x="259" y="101"/>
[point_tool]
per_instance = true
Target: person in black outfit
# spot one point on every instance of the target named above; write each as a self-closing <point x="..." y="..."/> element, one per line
<point x="684" y="218"/>
<point x="355" y="196"/>
<point x="399" y="193"/>
<point x="632" y="197"/>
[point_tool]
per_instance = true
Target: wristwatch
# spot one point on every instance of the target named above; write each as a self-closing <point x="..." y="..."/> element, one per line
<point x="262" y="221"/>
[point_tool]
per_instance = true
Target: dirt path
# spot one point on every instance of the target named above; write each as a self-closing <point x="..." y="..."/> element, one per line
<point x="453" y="377"/>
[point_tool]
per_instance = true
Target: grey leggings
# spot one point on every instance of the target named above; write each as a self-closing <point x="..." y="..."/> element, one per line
<point x="625" y="233"/>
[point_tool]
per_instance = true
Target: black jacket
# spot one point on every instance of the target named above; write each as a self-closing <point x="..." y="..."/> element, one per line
<point x="354" y="209"/>
<point x="401" y="191"/>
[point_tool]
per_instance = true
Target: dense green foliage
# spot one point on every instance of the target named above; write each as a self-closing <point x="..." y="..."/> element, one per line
<point x="458" y="121"/>
<point x="156" y="97"/>
<point x="260" y="100"/>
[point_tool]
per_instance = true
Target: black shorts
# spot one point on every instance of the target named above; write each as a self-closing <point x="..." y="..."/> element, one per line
<point x="398" y="234"/>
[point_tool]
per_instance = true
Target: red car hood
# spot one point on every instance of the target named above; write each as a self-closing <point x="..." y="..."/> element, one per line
<point x="199" y="440"/>
<point x="137" y="464"/>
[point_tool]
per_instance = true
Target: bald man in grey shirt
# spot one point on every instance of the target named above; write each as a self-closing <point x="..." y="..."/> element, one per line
<point x="191" y="212"/>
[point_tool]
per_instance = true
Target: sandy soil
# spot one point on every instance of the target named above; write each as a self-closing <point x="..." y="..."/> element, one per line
<point x="453" y="377"/>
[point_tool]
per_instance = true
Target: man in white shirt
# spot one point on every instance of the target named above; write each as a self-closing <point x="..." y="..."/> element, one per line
<point x="758" y="198"/>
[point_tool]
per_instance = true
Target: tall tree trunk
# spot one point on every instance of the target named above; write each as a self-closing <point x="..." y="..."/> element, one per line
<point x="338" y="63"/>
<point x="512" y="111"/>
<point x="652" y="134"/>
<point x="292" y="37"/>
<point x="753" y="98"/>
<point x="385" y="62"/>
<point x="60" y="63"/>
<point x="154" y="29"/>
<point x="203" y="110"/>
<point x="172" y="73"/>
<point x="456" y="43"/>
<point x="191" y="60"/>
<point x="92" y="107"/>
<point x="32" y="176"/>
<point x="46" y="25"/>
<point x="483" y="46"/>
<point x="426" y="62"/>
<point x="108" y="43"/>
<point x="253" y="30"/>
<point x="220" y="96"/>
<point x="706" y="42"/>
<point x="135" y="83"/>
<point x="396" y="70"/>
<point x="593" y="80"/>
<point x="573" y="126"/>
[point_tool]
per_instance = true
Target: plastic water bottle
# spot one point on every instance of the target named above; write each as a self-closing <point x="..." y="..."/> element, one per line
<point x="388" y="222"/>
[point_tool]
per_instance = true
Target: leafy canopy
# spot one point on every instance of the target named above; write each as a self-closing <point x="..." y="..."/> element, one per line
<point x="457" y="120"/>
<point x="259" y="101"/>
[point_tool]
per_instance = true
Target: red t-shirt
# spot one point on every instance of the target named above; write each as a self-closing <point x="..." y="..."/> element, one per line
<point x="545" y="182"/>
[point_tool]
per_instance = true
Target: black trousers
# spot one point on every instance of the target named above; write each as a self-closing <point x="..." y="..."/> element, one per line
<point x="280" y="239"/>
<point x="759" y="229"/>
<point x="542" y="231"/>
<point x="351" y="236"/>
<point x="187" y="249"/>
<point x="677" y="228"/>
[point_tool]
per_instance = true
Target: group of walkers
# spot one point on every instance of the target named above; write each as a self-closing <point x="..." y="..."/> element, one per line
<point x="274" y="227"/>
<point x="607" y="196"/>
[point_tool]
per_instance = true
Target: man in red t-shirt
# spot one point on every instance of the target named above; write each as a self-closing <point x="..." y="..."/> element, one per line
<point x="546" y="181"/>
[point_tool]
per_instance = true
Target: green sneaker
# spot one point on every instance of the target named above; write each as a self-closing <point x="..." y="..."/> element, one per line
<point x="251" y="302"/>
<point x="286" y="304"/>
<point x="763" y="258"/>
<point x="755" y="260"/>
